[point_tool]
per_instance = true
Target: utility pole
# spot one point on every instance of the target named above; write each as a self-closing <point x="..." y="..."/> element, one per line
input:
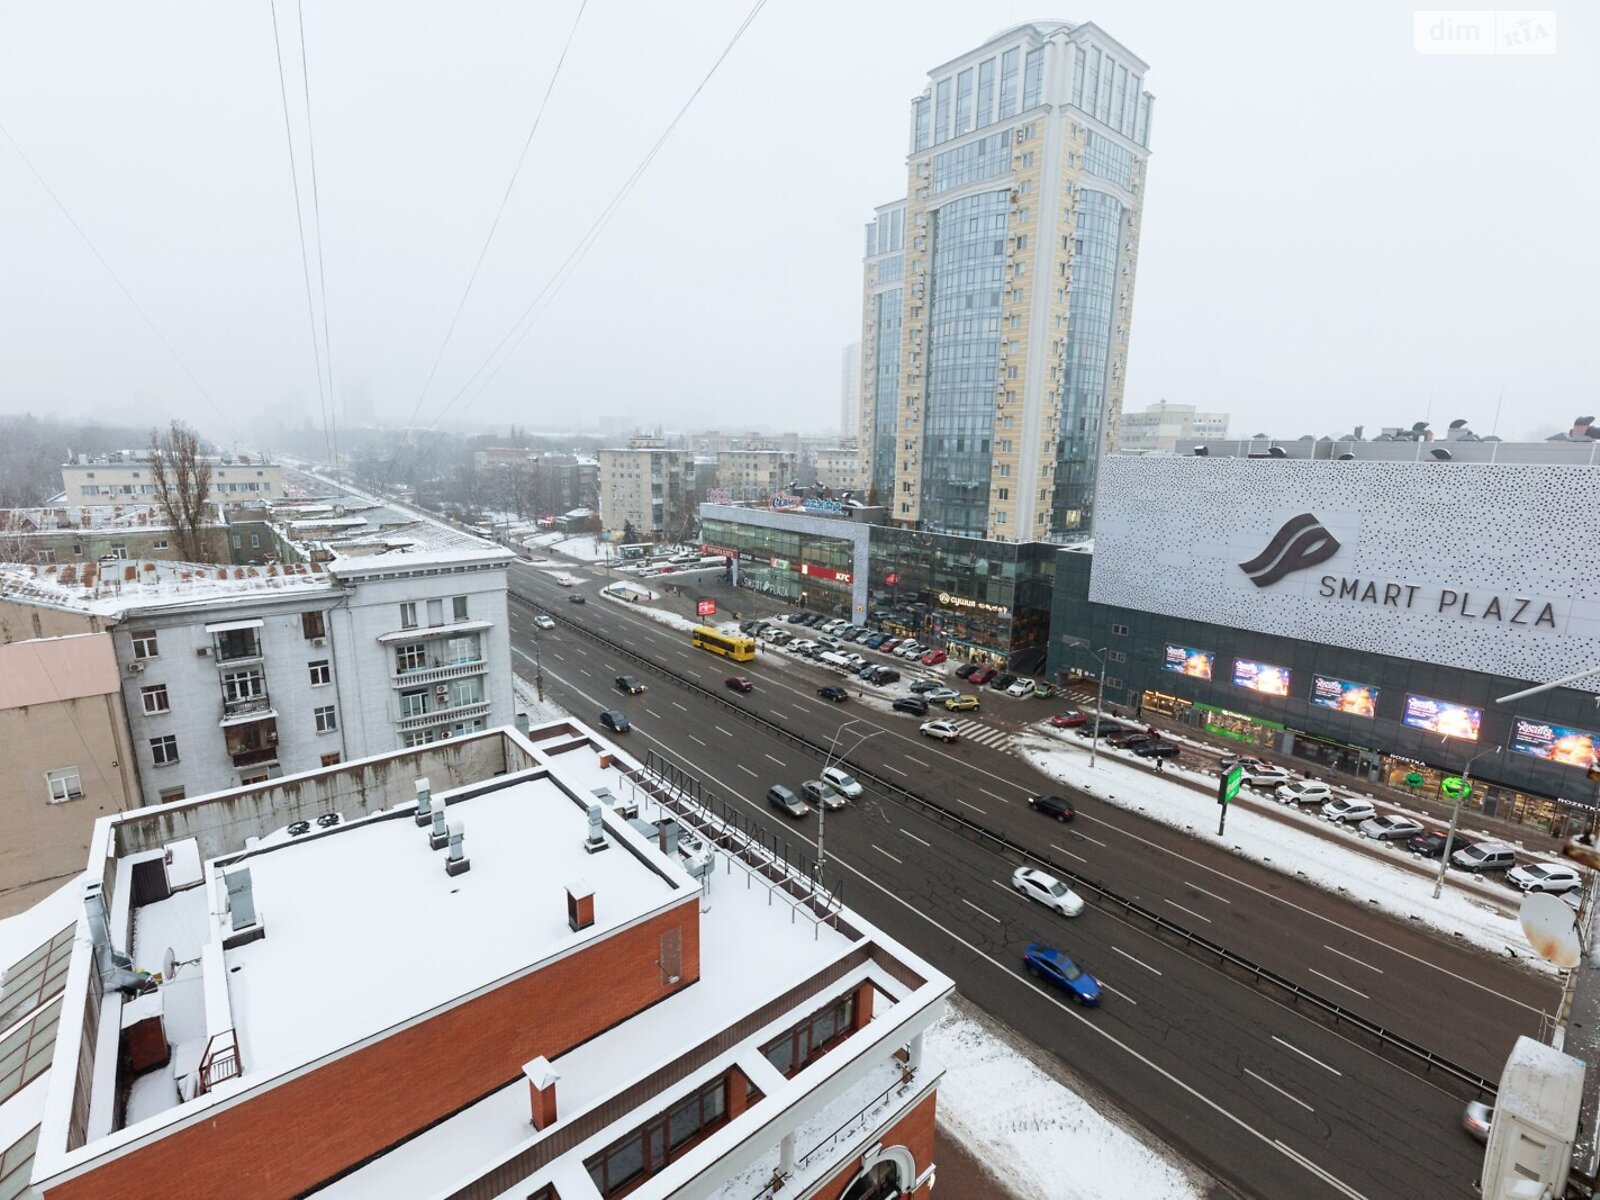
<point x="1455" y="817"/>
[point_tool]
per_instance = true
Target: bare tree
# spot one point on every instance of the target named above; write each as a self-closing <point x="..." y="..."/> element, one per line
<point x="182" y="479"/>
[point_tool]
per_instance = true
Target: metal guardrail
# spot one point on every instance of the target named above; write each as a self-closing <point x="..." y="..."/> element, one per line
<point x="1263" y="978"/>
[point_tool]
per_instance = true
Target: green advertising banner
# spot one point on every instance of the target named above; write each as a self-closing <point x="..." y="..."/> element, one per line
<point x="1228" y="786"/>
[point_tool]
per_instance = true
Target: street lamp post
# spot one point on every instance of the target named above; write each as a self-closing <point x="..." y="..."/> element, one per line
<point x="538" y="671"/>
<point x="822" y="809"/>
<point x="1101" y="654"/>
<point x="1455" y="817"/>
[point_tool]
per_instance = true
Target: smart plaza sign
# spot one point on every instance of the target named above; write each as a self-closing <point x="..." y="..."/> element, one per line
<point x="1462" y="564"/>
<point x="1303" y="542"/>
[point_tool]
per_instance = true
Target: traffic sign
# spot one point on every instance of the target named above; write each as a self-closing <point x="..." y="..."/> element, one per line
<point x="1230" y="783"/>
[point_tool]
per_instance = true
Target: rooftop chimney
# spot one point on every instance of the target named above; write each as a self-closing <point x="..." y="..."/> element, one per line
<point x="424" y="802"/>
<point x="667" y="838"/>
<point x="580" y="905"/>
<point x="542" y="1079"/>
<point x="596" y="841"/>
<point x="439" y="835"/>
<point x="457" y="863"/>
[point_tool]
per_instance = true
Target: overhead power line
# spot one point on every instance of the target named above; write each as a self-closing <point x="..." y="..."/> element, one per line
<point x="554" y="284"/>
<point x="300" y="229"/>
<point x="316" y="222"/>
<point x="117" y="279"/>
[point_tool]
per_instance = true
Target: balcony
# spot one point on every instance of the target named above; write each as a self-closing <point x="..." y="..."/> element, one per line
<point x="438" y="673"/>
<point x="251" y="758"/>
<point x="442" y="716"/>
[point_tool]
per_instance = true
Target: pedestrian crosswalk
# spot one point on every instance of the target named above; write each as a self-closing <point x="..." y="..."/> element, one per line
<point x="984" y="735"/>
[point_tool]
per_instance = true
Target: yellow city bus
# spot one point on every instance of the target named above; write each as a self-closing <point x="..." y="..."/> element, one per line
<point x="730" y="645"/>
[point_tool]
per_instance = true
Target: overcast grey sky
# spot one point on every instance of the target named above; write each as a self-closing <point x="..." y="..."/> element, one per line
<point x="1336" y="229"/>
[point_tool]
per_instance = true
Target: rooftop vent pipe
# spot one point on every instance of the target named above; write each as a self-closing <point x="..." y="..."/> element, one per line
<point x="424" y="802"/>
<point x="457" y="863"/>
<point x="439" y="835"/>
<point x="116" y="970"/>
<point x="596" y="841"/>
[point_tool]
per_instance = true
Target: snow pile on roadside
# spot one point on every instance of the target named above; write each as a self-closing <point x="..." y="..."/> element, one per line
<point x="1364" y="879"/>
<point x="539" y="711"/>
<point x="584" y="546"/>
<point x="1040" y="1139"/>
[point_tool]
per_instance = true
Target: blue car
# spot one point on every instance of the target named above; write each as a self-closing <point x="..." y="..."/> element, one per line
<point x="877" y="640"/>
<point x="1056" y="968"/>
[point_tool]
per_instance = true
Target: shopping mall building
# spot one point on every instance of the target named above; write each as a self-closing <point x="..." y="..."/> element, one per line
<point x="1366" y="616"/>
<point x="976" y="599"/>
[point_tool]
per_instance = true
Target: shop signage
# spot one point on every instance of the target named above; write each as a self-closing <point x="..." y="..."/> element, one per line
<point x="825" y="573"/>
<point x="719" y="495"/>
<point x="705" y="606"/>
<point x="949" y="601"/>
<point x="783" y="502"/>
<point x="711" y="548"/>
<point x="831" y="507"/>
<point x="892" y="578"/>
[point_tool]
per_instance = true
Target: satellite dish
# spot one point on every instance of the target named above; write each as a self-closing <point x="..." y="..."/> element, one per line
<point x="169" y="963"/>
<point x="1552" y="929"/>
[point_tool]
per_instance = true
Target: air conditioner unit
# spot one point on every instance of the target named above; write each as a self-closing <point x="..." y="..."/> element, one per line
<point x="322" y="641"/>
<point x="134" y="668"/>
<point x="203" y="651"/>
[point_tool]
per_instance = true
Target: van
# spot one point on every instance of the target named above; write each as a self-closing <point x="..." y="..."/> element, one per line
<point x="835" y="660"/>
<point x="1485" y="856"/>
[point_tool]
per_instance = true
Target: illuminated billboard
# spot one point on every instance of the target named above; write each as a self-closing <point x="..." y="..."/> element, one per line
<point x="1186" y="660"/>
<point x="1555" y="743"/>
<point x="1261" y="677"/>
<point x="1442" y="717"/>
<point x="1344" y="695"/>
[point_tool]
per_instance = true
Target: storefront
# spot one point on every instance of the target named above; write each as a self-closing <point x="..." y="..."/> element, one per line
<point x="810" y="561"/>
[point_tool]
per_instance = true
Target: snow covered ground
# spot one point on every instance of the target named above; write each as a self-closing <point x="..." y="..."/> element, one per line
<point x="1039" y="1138"/>
<point x="1463" y="910"/>
<point x="584" y="546"/>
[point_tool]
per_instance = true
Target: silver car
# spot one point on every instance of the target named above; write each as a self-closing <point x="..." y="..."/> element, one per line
<point x="1390" y="828"/>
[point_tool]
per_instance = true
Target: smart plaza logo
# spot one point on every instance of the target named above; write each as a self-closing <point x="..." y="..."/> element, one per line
<point x="1303" y="542"/>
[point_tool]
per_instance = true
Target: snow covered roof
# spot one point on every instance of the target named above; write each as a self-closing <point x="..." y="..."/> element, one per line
<point x="134" y="583"/>
<point x="108" y="517"/>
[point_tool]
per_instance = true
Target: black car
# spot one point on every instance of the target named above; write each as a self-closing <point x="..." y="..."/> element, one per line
<point x="615" y="721"/>
<point x="927" y="685"/>
<point x="1002" y="681"/>
<point x="915" y="705"/>
<point x="965" y="669"/>
<point x="1430" y="843"/>
<point x="747" y="626"/>
<point x="630" y="685"/>
<point x="577" y="598"/>
<point x="1087" y="729"/>
<point x="884" y="675"/>
<point x="795" y="618"/>
<point x="812" y="620"/>
<point x="1129" y="739"/>
<point x="1156" y="749"/>
<point x="1051" y="806"/>
<point x="833" y="692"/>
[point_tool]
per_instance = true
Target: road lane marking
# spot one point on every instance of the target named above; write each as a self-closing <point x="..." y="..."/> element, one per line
<point x="1306" y="1056"/>
<point x="1213" y="895"/>
<point x="1331" y="1180"/>
<point x="657" y="715"/>
<point x="895" y="769"/>
<point x="679" y="707"/>
<point x="915" y="838"/>
<point x="697" y="741"/>
<point x="780" y="762"/>
<point x="1116" y="992"/>
<point x="1132" y="959"/>
<point x="887" y="855"/>
<point x="1354" y="959"/>
<point x="747" y="770"/>
<point x="1337" y="983"/>
<point x="917" y="760"/>
<point x="722" y="731"/>
<point x="1068" y="853"/>
<point x="1087" y="838"/>
<point x="1190" y="911"/>
<point x="992" y="796"/>
<point x="1279" y="1090"/>
<point x="970" y="805"/>
<point x="975" y="908"/>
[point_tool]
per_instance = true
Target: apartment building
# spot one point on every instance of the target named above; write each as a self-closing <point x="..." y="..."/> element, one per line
<point x="750" y="474"/>
<point x="850" y="390"/>
<point x="1160" y="427"/>
<point x="582" y="986"/>
<point x="231" y="676"/>
<point x="1014" y="257"/>
<point x="839" y="468"/>
<point x="68" y="759"/>
<point x="123" y="477"/>
<point x="648" y="486"/>
<point x="98" y="531"/>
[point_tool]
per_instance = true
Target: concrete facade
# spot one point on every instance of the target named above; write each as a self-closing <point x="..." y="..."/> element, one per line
<point x="125" y="479"/>
<point x="645" y="485"/>
<point x="752" y="474"/>
<point x="1161" y="426"/>
<point x="839" y="468"/>
<point x="66" y="759"/>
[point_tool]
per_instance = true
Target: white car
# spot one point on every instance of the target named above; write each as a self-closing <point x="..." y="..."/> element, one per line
<point x="803" y="644"/>
<point x="1265" y="775"/>
<point x="544" y="622"/>
<point x="1391" y="828"/>
<point x="1343" y="811"/>
<point x="910" y="650"/>
<point x="1545" y="877"/>
<point x="854" y="659"/>
<point x="1047" y="890"/>
<point x="1306" y="791"/>
<point x="1022" y="687"/>
<point x="940" y="694"/>
<point x="842" y="782"/>
<point x="943" y="730"/>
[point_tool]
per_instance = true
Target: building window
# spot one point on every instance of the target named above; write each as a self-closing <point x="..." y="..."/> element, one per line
<point x="155" y="700"/>
<point x="650" y="1148"/>
<point x="462" y="649"/>
<point x="64" y="784"/>
<point x="435" y="612"/>
<point x="160" y="544"/>
<point x="144" y="644"/>
<point x="312" y="624"/>
<point x="255" y="541"/>
<point x="246" y="778"/>
<point x="413" y="656"/>
<point x="321" y="672"/>
<point x="790" y="1051"/>
<point x="414" y="703"/>
<point x="408" y="615"/>
<point x="119" y="549"/>
<point x="238" y="643"/>
<point x="327" y="719"/>
<point x="331" y="760"/>
<point x="168" y="795"/>
<point x="236" y="541"/>
<point x="458" y="608"/>
<point x="164" y="750"/>
<point x="239" y="686"/>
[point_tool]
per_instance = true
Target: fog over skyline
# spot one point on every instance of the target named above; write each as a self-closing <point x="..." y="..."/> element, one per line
<point x="1337" y="230"/>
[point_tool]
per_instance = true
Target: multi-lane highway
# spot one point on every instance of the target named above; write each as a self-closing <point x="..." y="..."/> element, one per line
<point x="1268" y="1098"/>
